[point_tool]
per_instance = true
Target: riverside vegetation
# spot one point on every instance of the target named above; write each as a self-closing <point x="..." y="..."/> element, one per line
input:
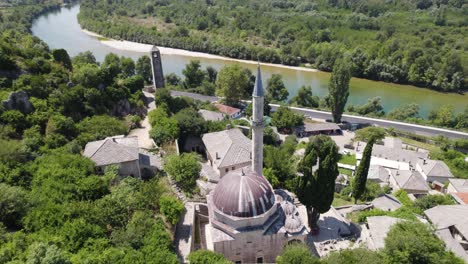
<point x="420" y="42"/>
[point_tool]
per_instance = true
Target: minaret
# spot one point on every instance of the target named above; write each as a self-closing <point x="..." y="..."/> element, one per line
<point x="156" y="65"/>
<point x="257" y="124"/>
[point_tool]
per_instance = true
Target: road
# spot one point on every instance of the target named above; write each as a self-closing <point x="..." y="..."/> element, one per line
<point x="412" y="128"/>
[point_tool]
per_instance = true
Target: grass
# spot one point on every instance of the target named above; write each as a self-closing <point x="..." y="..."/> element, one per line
<point x="348" y="159"/>
<point x="347" y="172"/>
<point x="419" y="144"/>
<point x="337" y="201"/>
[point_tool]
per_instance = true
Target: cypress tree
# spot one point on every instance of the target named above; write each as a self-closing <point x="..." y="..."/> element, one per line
<point x="339" y="88"/>
<point x="360" y="179"/>
<point x="315" y="189"/>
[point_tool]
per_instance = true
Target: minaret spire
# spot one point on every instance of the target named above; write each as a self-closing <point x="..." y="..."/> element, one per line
<point x="257" y="124"/>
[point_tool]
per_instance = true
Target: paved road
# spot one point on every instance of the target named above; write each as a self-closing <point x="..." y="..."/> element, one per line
<point x="417" y="129"/>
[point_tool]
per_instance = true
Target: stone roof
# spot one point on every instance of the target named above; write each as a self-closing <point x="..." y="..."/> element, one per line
<point x="443" y="216"/>
<point x="228" y="147"/>
<point x="446" y="217"/>
<point x="435" y="168"/>
<point x="377" y="172"/>
<point x="379" y="226"/>
<point x="386" y="202"/>
<point x="397" y="154"/>
<point x="211" y="115"/>
<point x="317" y="127"/>
<point x="461" y="185"/>
<point x="258" y="88"/>
<point x="243" y="193"/>
<point x="410" y="180"/>
<point x="226" y="109"/>
<point x="112" y="150"/>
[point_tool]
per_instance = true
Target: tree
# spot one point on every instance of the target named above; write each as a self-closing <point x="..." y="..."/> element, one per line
<point x="414" y="242"/>
<point x="373" y="107"/>
<point x="305" y="98"/>
<point x="315" y="189"/>
<point x="13" y="205"/>
<point x="128" y="66"/>
<point x="339" y="88"/>
<point x="86" y="57"/>
<point x="296" y="254"/>
<point x="42" y="253"/>
<point x="354" y="256"/>
<point x="190" y="122"/>
<point x="232" y="83"/>
<point x="185" y="170"/>
<point x="203" y="256"/>
<point x="364" y="134"/>
<point x="61" y="56"/>
<point x="405" y="112"/>
<point x="443" y="116"/>
<point x="194" y="75"/>
<point x="276" y="89"/>
<point x="429" y="201"/>
<point x="211" y="74"/>
<point x="360" y="179"/>
<point x="143" y="68"/>
<point x="171" y="208"/>
<point x="285" y="119"/>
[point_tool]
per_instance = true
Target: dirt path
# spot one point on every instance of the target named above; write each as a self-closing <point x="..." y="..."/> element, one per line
<point x="144" y="140"/>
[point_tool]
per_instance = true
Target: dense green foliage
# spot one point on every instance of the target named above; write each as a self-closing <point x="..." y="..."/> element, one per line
<point x="276" y="89"/>
<point x="417" y="42"/>
<point x="414" y="242"/>
<point x="286" y="119"/>
<point x="296" y="254"/>
<point x="171" y="208"/>
<point x="184" y="169"/>
<point x="319" y="167"/>
<point x="305" y="98"/>
<point x="204" y="256"/>
<point x="354" y="256"/>
<point x="56" y="208"/>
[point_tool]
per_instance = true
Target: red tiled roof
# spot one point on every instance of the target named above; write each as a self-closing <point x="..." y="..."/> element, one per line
<point x="463" y="197"/>
<point x="229" y="110"/>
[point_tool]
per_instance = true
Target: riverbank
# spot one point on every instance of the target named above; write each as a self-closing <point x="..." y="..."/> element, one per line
<point x="145" y="48"/>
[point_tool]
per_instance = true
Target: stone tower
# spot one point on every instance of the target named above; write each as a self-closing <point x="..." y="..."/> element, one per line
<point x="257" y="124"/>
<point x="158" y="76"/>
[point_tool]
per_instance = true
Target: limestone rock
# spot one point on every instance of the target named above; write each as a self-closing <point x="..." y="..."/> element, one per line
<point x="18" y="101"/>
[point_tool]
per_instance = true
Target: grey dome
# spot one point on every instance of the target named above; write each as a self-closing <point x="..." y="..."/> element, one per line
<point x="293" y="224"/>
<point x="288" y="208"/>
<point x="243" y="194"/>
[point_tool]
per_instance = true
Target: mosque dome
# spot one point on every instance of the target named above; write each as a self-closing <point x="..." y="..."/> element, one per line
<point x="243" y="194"/>
<point x="293" y="224"/>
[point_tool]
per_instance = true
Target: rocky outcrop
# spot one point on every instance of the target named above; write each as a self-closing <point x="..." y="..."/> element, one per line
<point x="121" y="108"/>
<point x="18" y="101"/>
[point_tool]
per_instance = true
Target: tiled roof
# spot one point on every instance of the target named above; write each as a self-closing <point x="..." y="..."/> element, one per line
<point x="461" y="185"/>
<point x="230" y="146"/>
<point x="443" y="216"/>
<point x="226" y="109"/>
<point x="312" y="127"/>
<point x="435" y="168"/>
<point x="377" y="172"/>
<point x="410" y="180"/>
<point x="211" y="115"/>
<point x="462" y="197"/>
<point x="112" y="150"/>
<point x="397" y="154"/>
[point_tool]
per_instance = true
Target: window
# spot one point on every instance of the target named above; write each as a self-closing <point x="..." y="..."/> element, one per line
<point x="238" y="262"/>
<point x="233" y="168"/>
<point x="260" y="260"/>
<point x="227" y="169"/>
<point x="155" y="55"/>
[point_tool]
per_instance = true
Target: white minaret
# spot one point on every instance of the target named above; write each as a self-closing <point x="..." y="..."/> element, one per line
<point x="257" y="124"/>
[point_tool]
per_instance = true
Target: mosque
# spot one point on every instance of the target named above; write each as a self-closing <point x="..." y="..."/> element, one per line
<point x="244" y="218"/>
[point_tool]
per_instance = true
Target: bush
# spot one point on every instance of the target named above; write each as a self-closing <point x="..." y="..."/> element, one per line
<point x="171" y="208"/>
<point x="296" y="253"/>
<point x="203" y="256"/>
<point x="185" y="170"/>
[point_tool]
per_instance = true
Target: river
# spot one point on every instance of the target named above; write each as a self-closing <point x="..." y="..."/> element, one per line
<point x="60" y="29"/>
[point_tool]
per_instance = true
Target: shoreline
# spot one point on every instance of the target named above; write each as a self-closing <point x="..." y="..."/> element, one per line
<point x="145" y="48"/>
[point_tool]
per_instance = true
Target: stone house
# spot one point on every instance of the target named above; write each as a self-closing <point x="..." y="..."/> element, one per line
<point x="123" y="152"/>
<point x="410" y="181"/>
<point x="227" y="150"/>
<point x="434" y="170"/>
<point x="229" y="111"/>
